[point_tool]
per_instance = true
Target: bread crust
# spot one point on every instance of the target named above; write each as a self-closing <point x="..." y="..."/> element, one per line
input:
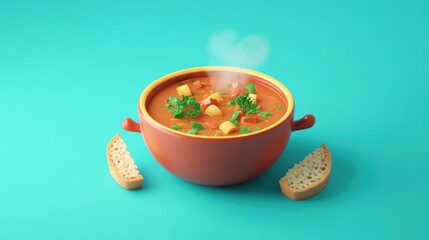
<point x="314" y="188"/>
<point x="130" y="184"/>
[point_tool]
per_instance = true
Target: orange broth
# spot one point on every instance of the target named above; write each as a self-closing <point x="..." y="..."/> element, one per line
<point x="267" y="100"/>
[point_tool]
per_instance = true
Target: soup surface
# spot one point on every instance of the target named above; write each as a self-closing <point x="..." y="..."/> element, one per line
<point x="193" y="106"/>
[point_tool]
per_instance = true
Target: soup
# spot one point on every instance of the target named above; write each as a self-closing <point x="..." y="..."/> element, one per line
<point x="195" y="107"/>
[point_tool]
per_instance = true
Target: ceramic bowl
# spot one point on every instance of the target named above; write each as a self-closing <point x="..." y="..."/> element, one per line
<point x="216" y="161"/>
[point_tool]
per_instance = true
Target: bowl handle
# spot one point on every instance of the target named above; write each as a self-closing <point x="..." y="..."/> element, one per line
<point x="306" y="122"/>
<point x="130" y="125"/>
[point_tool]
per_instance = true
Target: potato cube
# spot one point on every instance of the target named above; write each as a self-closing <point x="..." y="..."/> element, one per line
<point x="227" y="127"/>
<point x="253" y="97"/>
<point x="214" y="111"/>
<point x="184" y="90"/>
<point x="217" y="96"/>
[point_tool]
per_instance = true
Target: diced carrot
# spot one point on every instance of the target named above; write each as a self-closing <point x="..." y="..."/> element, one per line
<point x="249" y="119"/>
<point x="207" y="102"/>
<point x="197" y="84"/>
<point x="211" y="125"/>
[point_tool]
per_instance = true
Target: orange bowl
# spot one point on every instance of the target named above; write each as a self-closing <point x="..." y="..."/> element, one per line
<point x="211" y="160"/>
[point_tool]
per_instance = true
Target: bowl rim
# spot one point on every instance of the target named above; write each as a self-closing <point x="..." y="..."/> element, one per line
<point x="143" y="97"/>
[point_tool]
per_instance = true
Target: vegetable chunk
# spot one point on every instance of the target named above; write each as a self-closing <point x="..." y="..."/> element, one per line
<point x="253" y="97"/>
<point x="249" y="119"/>
<point x="197" y="84"/>
<point x="217" y="96"/>
<point x="184" y="90"/>
<point x="207" y="102"/>
<point x="214" y="111"/>
<point x="228" y="127"/>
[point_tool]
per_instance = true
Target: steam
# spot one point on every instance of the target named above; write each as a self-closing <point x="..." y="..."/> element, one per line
<point x="228" y="49"/>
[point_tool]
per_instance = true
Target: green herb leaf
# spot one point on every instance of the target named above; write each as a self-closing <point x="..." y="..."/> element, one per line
<point x="234" y="117"/>
<point x="176" y="127"/>
<point x="251" y="88"/>
<point x="193" y="131"/>
<point x="257" y="128"/>
<point x="279" y="106"/>
<point x="235" y="122"/>
<point x="185" y="108"/>
<point x="245" y="130"/>
<point x="192" y="80"/>
<point x="195" y="128"/>
<point x="222" y="93"/>
<point x="246" y="104"/>
<point x="265" y="114"/>
<point x="180" y="83"/>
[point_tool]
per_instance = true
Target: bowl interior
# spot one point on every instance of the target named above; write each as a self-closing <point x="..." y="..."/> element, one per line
<point x="250" y="75"/>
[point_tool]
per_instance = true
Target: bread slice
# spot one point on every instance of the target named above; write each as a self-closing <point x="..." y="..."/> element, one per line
<point x="308" y="177"/>
<point x="121" y="165"/>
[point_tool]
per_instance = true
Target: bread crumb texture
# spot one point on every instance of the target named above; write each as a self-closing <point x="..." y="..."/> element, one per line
<point x="122" y="160"/>
<point x="308" y="171"/>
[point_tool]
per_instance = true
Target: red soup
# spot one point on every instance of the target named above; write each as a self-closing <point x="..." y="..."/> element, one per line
<point x="194" y="106"/>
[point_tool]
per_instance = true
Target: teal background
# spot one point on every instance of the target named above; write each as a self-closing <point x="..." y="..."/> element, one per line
<point x="71" y="71"/>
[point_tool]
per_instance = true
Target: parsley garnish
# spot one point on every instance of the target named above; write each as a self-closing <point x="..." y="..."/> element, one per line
<point x="192" y="80"/>
<point x="279" y="106"/>
<point x="251" y="88"/>
<point x="257" y="128"/>
<point x="265" y="114"/>
<point x="234" y="117"/>
<point x="176" y="127"/>
<point x="195" y="128"/>
<point x="185" y="108"/>
<point x="245" y="130"/>
<point x="246" y="104"/>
